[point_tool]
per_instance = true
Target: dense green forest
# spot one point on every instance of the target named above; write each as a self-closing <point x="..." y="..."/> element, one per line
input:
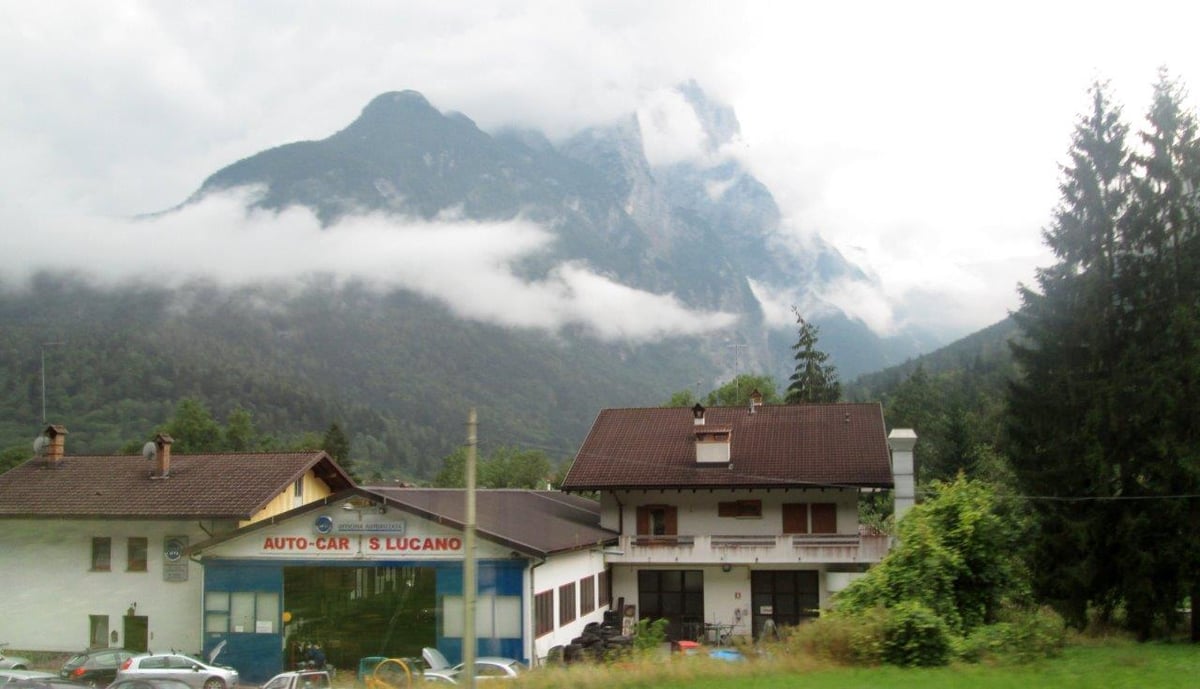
<point x="396" y="372"/>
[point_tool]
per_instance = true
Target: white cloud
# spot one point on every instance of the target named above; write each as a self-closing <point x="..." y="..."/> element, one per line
<point x="671" y="131"/>
<point x="466" y="265"/>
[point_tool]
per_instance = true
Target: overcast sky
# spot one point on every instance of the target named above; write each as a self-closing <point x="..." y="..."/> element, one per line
<point x="920" y="139"/>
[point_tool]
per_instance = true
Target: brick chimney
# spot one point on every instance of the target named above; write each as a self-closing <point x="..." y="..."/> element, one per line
<point x="902" y="441"/>
<point x="162" y="456"/>
<point x="56" y="437"/>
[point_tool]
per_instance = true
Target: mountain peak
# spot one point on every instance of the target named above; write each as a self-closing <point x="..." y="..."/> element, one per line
<point x="398" y="100"/>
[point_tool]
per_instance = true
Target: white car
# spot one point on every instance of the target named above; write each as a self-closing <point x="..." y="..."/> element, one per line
<point x="486" y="667"/>
<point x="195" y="673"/>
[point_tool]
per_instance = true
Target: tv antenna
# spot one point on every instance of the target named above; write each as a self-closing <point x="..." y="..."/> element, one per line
<point x="44" y="346"/>
<point x="737" y="383"/>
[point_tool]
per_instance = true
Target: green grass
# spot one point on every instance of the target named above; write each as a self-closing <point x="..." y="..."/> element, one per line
<point x="1112" y="664"/>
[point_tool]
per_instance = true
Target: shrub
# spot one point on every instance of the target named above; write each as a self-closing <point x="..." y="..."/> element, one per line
<point x="847" y="639"/>
<point x="649" y="634"/>
<point x="915" y="635"/>
<point x="1021" y="636"/>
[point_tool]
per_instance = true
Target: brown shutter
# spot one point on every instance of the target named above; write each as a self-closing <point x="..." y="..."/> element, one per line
<point x="795" y="517"/>
<point x="824" y="517"/>
<point x="672" y="522"/>
<point x="727" y="509"/>
<point x="643" y="521"/>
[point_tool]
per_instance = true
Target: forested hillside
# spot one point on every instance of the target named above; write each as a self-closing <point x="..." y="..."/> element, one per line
<point x="954" y="397"/>
<point x="393" y="370"/>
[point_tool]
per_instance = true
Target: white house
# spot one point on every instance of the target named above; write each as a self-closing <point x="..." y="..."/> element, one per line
<point x="730" y="518"/>
<point x="92" y="548"/>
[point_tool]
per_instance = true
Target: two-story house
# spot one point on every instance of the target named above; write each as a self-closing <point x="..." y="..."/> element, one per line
<point x="733" y="517"/>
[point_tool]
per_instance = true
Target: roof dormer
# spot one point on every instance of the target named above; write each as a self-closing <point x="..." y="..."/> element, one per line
<point x="712" y="444"/>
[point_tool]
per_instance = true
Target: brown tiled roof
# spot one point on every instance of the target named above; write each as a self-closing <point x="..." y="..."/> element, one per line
<point x="538" y="522"/>
<point x="208" y="486"/>
<point x="776" y="446"/>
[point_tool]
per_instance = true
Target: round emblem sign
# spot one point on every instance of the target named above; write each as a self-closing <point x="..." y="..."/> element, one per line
<point x="324" y="524"/>
<point x="173" y="549"/>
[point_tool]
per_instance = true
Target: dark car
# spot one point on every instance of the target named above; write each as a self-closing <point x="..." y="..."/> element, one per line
<point x="97" y="667"/>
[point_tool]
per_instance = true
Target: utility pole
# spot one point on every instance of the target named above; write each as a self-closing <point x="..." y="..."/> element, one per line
<point x="469" y="576"/>
<point x="44" y="346"/>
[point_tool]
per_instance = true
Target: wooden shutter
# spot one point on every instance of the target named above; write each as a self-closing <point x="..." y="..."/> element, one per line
<point x="795" y="517"/>
<point x="671" y="520"/>
<point x="824" y="517"/>
<point x="727" y="509"/>
<point x="643" y="520"/>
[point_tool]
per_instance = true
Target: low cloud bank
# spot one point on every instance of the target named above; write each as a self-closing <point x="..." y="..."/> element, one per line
<point x="469" y="266"/>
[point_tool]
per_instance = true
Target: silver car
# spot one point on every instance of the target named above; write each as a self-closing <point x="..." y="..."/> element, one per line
<point x="11" y="662"/>
<point x="195" y="673"/>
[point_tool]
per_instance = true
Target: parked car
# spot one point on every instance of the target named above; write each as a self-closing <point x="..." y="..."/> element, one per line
<point x="7" y="676"/>
<point x="12" y="662"/>
<point x="50" y="682"/>
<point x="148" y="683"/>
<point x="486" y="667"/>
<point x="95" y="667"/>
<point x="197" y="674"/>
<point x="300" y="679"/>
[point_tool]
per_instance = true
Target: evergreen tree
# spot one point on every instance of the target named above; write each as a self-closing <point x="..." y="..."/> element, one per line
<point x="1063" y="420"/>
<point x="1109" y="361"/>
<point x="337" y="445"/>
<point x="1163" y="357"/>
<point x="814" y="380"/>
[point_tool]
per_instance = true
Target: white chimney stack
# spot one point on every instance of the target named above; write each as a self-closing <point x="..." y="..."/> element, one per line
<point x="902" y="441"/>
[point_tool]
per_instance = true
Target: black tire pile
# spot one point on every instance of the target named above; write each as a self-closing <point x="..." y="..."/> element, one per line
<point x="599" y="641"/>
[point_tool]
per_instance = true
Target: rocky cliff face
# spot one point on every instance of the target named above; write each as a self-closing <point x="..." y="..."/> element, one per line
<point x="701" y="230"/>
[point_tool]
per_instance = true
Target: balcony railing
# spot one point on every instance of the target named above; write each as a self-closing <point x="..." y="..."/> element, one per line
<point x="762" y="548"/>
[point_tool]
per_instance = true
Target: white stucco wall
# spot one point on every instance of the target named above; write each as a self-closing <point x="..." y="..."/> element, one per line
<point x="48" y="591"/>
<point x="554" y="572"/>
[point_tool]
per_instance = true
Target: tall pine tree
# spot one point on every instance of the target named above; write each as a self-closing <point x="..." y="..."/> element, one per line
<point x="814" y="379"/>
<point x="1063" y="415"/>
<point x="1101" y="424"/>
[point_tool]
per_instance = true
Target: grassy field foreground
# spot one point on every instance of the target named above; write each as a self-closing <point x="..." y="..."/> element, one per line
<point x="1115" y="664"/>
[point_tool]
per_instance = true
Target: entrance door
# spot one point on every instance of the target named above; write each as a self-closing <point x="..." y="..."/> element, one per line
<point x="136" y="638"/>
<point x="786" y="597"/>
<point x="676" y="595"/>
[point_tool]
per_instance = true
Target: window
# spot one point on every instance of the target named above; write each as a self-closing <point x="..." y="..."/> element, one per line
<point x="543" y="613"/>
<point x="677" y="595"/>
<point x="566" y="604"/>
<point x="740" y="509"/>
<point x="657" y="520"/>
<point x="136" y="555"/>
<point x="806" y="518"/>
<point x="602" y="585"/>
<point x="101" y="554"/>
<point x="98" y="631"/>
<point x="587" y="595"/>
